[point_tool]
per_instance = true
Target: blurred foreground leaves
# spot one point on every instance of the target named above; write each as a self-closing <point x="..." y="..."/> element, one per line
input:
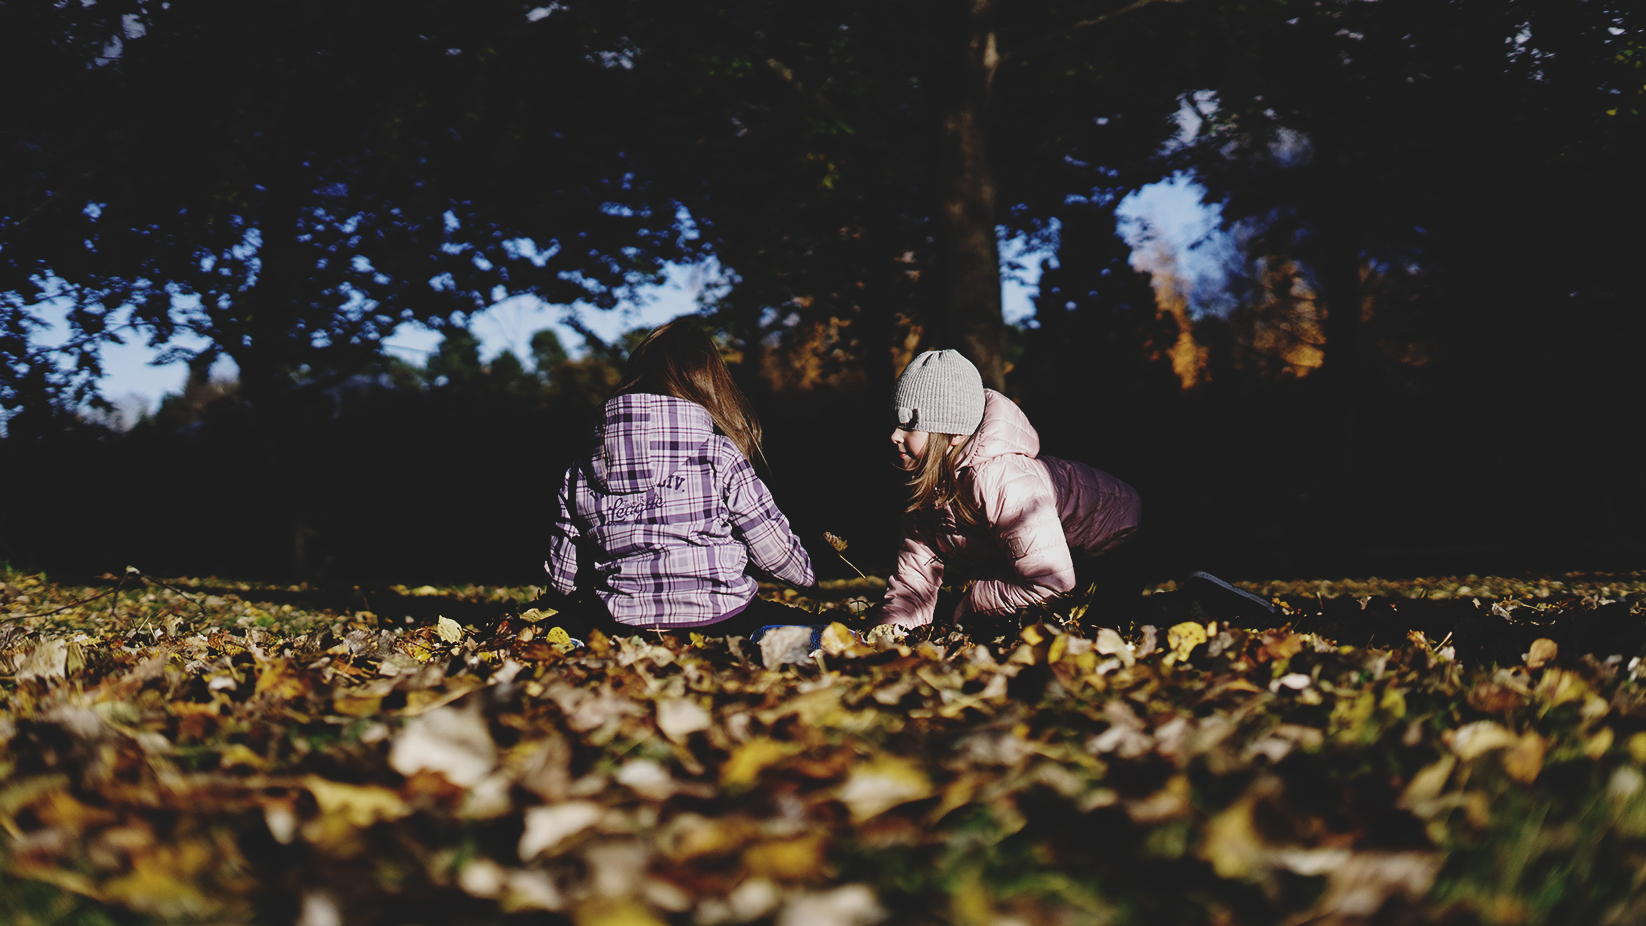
<point x="189" y="754"/>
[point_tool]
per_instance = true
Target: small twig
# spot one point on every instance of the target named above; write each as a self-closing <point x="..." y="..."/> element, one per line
<point x="838" y="545"/>
<point x="19" y="617"/>
<point x="186" y="596"/>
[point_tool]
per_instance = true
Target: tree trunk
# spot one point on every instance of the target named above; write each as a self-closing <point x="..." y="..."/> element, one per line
<point x="261" y="344"/>
<point x="967" y="279"/>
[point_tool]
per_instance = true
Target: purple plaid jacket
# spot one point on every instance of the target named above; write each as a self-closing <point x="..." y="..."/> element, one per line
<point x="667" y="514"/>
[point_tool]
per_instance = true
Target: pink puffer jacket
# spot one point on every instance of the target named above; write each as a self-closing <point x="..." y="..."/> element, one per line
<point x="1042" y="514"/>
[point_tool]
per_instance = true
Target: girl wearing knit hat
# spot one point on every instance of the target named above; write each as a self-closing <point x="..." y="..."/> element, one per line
<point x="985" y="505"/>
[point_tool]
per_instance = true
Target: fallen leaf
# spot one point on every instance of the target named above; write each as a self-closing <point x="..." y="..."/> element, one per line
<point x="1524" y="760"/>
<point x="452" y="741"/>
<point x="1361" y="886"/>
<point x="48" y="659"/>
<point x="1476" y="739"/>
<point x="1182" y="638"/>
<point x="615" y="912"/>
<point x="797" y="859"/>
<point x="647" y="779"/>
<point x="548" y="827"/>
<point x="751" y="758"/>
<point x="881" y="784"/>
<point x="1542" y="653"/>
<point x="837" y="639"/>
<point x="851" y="905"/>
<point x="359" y="805"/>
<point x="678" y="718"/>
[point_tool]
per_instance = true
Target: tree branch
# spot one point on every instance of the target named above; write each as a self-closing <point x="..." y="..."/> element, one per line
<point x="1100" y="20"/>
<point x="1085" y="24"/>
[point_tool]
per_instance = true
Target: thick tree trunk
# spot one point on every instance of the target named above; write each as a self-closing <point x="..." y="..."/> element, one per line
<point x="261" y="342"/>
<point x="967" y="284"/>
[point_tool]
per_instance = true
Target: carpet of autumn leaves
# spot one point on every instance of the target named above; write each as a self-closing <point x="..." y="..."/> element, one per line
<point x="1449" y="750"/>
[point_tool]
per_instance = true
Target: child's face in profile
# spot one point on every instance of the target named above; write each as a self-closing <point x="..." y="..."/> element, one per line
<point x="909" y="446"/>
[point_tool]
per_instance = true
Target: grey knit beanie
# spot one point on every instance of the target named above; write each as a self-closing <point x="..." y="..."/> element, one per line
<point x="940" y="391"/>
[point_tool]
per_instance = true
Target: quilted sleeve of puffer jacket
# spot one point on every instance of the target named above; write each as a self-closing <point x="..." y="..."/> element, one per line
<point x="1019" y="504"/>
<point x="911" y="592"/>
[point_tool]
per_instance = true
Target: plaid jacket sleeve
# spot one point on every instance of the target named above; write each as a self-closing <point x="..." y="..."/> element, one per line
<point x="757" y="522"/>
<point x="562" y="562"/>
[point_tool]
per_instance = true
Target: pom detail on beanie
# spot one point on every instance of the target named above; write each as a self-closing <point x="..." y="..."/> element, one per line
<point x="940" y="392"/>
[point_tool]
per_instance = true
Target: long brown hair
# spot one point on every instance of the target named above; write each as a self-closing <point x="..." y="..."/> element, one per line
<point x="679" y="359"/>
<point x="934" y="484"/>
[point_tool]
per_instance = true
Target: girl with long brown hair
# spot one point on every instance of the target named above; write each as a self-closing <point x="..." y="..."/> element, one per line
<point x="662" y="518"/>
<point x="1014" y="527"/>
<point x="985" y="506"/>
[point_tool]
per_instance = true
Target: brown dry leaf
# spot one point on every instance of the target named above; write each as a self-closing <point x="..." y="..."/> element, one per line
<point x="1524" y="760"/>
<point x="1494" y="698"/>
<point x="1542" y="653"/>
<point x="278" y="679"/>
<point x="1280" y="646"/>
<point x="1169" y="803"/>
<point x="357" y="702"/>
<point x="1561" y="687"/>
<point x="837" y="639"/>
<point x="692" y="836"/>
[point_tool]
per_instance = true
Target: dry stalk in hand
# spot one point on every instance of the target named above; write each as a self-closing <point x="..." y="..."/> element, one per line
<point x="839" y="545"/>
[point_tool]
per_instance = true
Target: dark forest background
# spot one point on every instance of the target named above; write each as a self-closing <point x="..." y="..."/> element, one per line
<point x="1423" y="356"/>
